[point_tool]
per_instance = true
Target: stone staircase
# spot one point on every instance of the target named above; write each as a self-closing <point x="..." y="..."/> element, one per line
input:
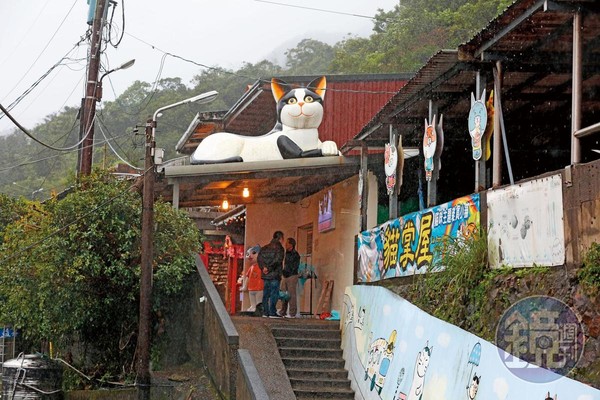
<point x="311" y="353"/>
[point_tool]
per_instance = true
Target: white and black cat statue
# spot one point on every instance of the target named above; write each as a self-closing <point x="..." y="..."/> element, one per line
<point x="296" y="135"/>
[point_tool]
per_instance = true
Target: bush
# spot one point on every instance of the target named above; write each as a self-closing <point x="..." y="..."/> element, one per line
<point x="69" y="272"/>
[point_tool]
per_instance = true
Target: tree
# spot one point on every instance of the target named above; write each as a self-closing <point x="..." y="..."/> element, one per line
<point x="69" y="269"/>
<point x="407" y="36"/>
<point x="309" y="57"/>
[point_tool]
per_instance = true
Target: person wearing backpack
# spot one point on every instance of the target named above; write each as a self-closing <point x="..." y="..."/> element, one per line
<point x="270" y="261"/>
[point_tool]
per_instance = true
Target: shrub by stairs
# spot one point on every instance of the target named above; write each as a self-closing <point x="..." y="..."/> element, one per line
<point x="313" y="359"/>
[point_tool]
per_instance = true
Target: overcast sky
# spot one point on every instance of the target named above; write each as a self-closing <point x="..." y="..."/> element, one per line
<point x="36" y="34"/>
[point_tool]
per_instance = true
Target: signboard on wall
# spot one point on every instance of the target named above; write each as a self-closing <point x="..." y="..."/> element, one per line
<point x="407" y="245"/>
<point x="325" y="219"/>
<point x="525" y="224"/>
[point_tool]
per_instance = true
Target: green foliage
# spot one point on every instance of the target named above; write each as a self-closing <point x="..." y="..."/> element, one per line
<point x="10" y="211"/>
<point x="467" y="293"/>
<point x="407" y="36"/>
<point x="589" y="273"/>
<point x="446" y="294"/>
<point x="70" y="269"/>
<point x="309" y="57"/>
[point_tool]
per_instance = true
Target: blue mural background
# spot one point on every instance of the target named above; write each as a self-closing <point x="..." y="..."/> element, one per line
<point x="395" y="351"/>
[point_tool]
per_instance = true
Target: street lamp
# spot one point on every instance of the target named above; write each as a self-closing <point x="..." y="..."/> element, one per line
<point x="98" y="93"/>
<point x="87" y="116"/>
<point x="143" y="366"/>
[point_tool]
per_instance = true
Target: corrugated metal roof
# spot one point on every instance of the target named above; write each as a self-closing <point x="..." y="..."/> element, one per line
<point x="533" y="41"/>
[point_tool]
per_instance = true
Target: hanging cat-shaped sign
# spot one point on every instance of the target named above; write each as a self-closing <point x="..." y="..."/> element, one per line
<point x="477" y="123"/>
<point x="429" y="146"/>
<point x="296" y="135"/>
<point x="389" y="166"/>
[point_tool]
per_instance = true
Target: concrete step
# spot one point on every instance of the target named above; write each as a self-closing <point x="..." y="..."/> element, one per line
<point x="314" y="373"/>
<point x="305" y="383"/>
<point x="309" y="342"/>
<point x="301" y="325"/>
<point x="322" y="393"/>
<point x="289" y="331"/>
<point x="306" y="352"/>
<point x="309" y="362"/>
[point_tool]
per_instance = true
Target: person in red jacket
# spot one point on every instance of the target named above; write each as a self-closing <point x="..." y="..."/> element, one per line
<point x="253" y="281"/>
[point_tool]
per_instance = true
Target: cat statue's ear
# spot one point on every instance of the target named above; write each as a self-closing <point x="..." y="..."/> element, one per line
<point x="279" y="88"/>
<point x="319" y="86"/>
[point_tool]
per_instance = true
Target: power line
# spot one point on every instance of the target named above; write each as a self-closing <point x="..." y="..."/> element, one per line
<point x="26" y="132"/>
<point x="315" y="9"/>
<point x="49" y="157"/>
<point x="42" y="52"/>
<point x="100" y="124"/>
<point x="222" y="70"/>
<point x="41" y="78"/>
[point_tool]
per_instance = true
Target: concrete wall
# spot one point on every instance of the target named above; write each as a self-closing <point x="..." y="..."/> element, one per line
<point x="218" y="337"/>
<point x="248" y="382"/>
<point x="332" y="251"/>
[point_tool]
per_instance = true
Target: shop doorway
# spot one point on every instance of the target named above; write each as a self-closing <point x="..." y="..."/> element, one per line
<point x="307" y="283"/>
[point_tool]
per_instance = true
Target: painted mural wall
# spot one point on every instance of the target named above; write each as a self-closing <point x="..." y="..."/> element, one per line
<point x="395" y="351"/>
<point x="409" y="245"/>
<point x="332" y="251"/>
<point x="525" y="224"/>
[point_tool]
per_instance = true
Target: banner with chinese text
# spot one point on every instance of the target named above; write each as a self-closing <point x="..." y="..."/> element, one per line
<point x="407" y="245"/>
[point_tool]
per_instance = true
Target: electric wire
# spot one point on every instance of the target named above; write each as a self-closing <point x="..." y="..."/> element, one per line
<point x="46" y="87"/>
<point x="222" y="70"/>
<point x="315" y="9"/>
<point x="100" y="124"/>
<point x="26" y="34"/>
<point x="35" y="161"/>
<point x="147" y="99"/>
<point x="42" y="52"/>
<point x="55" y="161"/>
<point x="26" y="132"/>
<point x="110" y="25"/>
<point x="41" y="78"/>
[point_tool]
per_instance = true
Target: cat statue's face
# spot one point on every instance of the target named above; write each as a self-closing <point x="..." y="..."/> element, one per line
<point x="299" y="108"/>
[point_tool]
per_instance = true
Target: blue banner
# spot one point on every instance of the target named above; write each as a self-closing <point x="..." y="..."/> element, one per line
<point x="408" y="245"/>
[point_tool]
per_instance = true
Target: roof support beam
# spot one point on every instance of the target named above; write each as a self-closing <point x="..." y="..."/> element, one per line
<point x="576" y="91"/>
<point x="509" y="27"/>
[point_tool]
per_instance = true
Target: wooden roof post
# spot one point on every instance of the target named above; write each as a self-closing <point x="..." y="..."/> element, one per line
<point x="364" y="193"/>
<point x="576" y="89"/>
<point x="497" y="163"/>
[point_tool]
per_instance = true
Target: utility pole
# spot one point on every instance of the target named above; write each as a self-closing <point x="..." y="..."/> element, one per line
<point x="88" y="110"/>
<point x="143" y="364"/>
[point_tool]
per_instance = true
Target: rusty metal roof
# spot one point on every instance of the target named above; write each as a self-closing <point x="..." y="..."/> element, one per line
<point x="533" y="40"/>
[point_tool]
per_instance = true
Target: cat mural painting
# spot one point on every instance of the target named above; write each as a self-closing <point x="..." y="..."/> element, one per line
<point x="295" y="135"/>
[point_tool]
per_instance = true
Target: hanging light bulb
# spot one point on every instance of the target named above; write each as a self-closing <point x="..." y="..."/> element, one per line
<point x="246" y="192"/>
<point x="225" y="205"/>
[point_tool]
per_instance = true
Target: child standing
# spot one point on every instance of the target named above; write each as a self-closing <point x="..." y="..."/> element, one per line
<point x="254" y="283"/>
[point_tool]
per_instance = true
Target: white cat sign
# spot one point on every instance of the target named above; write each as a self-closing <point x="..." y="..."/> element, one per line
<point x="296" y="135"/>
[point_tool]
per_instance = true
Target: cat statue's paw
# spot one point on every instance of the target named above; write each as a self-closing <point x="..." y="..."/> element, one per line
<point x="329" y="148"/>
